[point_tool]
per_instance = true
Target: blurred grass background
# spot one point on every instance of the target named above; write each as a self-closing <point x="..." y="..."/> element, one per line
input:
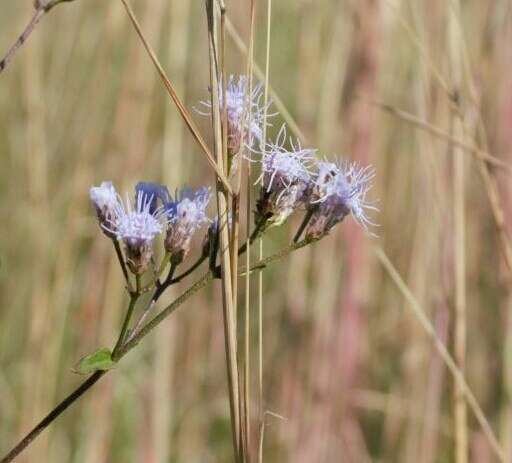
<point x="346" y="363"/>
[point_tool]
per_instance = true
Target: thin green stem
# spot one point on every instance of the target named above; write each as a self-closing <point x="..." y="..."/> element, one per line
<point x="129" y="345"/>
<point x="122" y="263"/>
<point x="258" y="230"/>
<point x="126" y="323"/>
<point x="304" y="224"/>
<point x="187" y="272"/>
<point x="158" y="273"/>
<point x="161" y="287"/>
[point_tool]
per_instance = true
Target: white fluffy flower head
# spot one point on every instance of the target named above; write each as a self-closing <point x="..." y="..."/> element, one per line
<point x="184" y="216"/>
<point x="245" y="113"/>
<point x="285" y="179"/>
<point x="340" y="189"/>
<point x="104" y="197"/>
<point x="281" y="167"/>
<point x="134" y="224"/>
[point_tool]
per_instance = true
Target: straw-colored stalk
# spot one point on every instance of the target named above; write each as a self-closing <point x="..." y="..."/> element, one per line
<point x="222" y="207"/>
<point x="459" y="404"/>
<point x="247" y="306"/>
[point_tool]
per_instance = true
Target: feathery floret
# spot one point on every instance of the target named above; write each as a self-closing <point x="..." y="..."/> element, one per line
<point x="136" y="226"/>
<point x="104" y="198"/>
<point x="185" y="214"/>
<point x="285" y="179"/>
<point x="339" y="189"/>
<point x="239" y="118"/>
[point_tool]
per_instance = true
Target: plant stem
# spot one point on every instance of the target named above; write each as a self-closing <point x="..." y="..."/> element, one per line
<point x="128" y="346"/>
<point x="246" y="425"/>
<point x="163" y="286"/>
<point x="122" y="263"/>
<point x="52" y="416"/>
<point x="261" y="415"/>
<point x="175" y="98"/>
<point x="255" y="233"/>
<point x="304" y="223"/>
<point x="187" y="272"/>
<point x="222" y="201"/>
<point x="41" y="9"/>
<point x="126" y="324"/>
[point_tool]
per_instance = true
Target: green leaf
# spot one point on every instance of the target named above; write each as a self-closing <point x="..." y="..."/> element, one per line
<point x="99" y="360"/>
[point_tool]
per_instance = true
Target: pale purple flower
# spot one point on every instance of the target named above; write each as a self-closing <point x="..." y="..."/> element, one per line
<point x="339" y="189"/>
<point x="184" y="216"/>
<point x="285" y="178"/>
<point x="136" y="226"/>
<point x="104" y="198"/>
<point x="243" y="114"/>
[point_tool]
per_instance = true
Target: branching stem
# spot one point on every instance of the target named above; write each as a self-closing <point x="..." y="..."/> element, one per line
<point x="129" y="345"/>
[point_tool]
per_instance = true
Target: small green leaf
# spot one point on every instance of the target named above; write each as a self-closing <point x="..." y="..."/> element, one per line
<point x="99" y="360"/>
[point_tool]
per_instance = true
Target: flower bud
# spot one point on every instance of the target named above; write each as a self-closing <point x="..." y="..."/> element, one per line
<point x="184" y="216"/>
<point x="105" y="199"/>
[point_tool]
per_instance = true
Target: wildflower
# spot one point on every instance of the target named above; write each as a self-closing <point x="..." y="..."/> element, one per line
<point x="185" y="215"/>
<point x="155" y="191"/>
<point x="105" y="199"/>
<point x="136" y="226"/>
<point x="243" y="115"/>
<point x="339" y="190"/>
<point x="285" y="180"/>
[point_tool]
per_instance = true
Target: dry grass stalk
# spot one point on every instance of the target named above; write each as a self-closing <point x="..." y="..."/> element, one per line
<point x="460" y="329"/>
<point x="224" y="250"/>
<point x="457" y="142"/>
<point x="247" y="306"/>
<point x="174" y="96"/>
<point x="261" y="405"/>
<point x="443" y="352"/>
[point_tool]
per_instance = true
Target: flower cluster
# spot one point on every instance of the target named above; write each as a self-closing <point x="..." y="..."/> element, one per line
<point x="291" y="177"/>
<point x="153" y="212"/>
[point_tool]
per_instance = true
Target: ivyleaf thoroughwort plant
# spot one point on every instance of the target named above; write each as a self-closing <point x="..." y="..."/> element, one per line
<point x="152" y="231"/>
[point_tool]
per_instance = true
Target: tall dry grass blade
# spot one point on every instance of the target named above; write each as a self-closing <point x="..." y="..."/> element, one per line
<point x="222" y="207"/>
<point x="247" y="305"/>
<point x="276" y="100"/>
<point x="457" y="142"/>
<point x="175" y="98"/>
<point x="459" y="404"/>
<point x="430" y="331"/>
<point x="425" y="323"/>
<point x="174" y="168"/>
<point x="261" y="408"/>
